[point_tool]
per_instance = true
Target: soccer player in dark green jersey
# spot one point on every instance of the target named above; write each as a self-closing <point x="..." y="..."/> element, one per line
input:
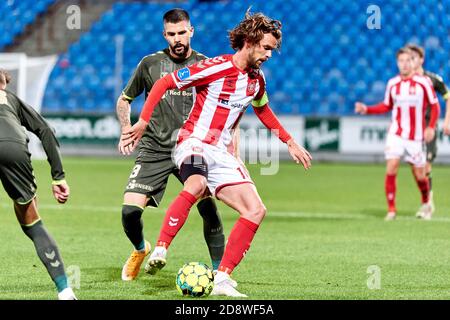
<point x="16" y="174"/>
<point x="418" y="58"/>
<point x="148" y="178"/>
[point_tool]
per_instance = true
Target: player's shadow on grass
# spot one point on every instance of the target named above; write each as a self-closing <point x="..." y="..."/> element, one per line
<point x="158" y="284"/>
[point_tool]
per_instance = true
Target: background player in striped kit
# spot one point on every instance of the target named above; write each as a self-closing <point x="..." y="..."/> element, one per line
<point x="225" y="86"/>
<point x="148" y="178"/>
<point x="407" y="96"/>
<point x="418" y="58"/>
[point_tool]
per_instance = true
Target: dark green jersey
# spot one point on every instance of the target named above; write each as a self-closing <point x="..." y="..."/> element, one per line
<point x="173" y="109"/>
<point x="439" y="87"/>
<point x="14" y="115"/>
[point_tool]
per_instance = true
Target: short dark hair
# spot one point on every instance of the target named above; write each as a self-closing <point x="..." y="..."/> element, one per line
<point x="176" y="15"/>
<point x="5" y="77"/>
<point x="252" y="29"/>
<point x="417" y="49"/>
<point x="402" y="50"/>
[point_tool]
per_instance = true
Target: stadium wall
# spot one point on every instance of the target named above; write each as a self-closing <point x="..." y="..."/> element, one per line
<point x="348" y="139"/>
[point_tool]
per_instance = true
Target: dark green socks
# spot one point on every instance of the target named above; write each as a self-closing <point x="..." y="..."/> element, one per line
<point x="48" y="252"/>
<point x="212" y="230"/>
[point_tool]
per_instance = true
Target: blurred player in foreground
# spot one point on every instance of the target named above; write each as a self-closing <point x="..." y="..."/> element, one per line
<point x="418" y="58"/>
<point x="225" y="86"/>
<point x="16" y="174"/>
<point x="148" y="179"/>
<point x="407" y="96"/>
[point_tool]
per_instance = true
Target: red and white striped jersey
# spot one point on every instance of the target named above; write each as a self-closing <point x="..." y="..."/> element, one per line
<point x="222" y="93"/>
<point x="409" y="99"/>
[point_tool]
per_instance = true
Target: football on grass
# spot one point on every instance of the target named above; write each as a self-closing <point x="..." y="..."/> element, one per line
<point x="195" y="279"/>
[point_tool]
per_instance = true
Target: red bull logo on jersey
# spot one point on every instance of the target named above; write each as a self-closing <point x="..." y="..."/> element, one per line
<point x="251" y="87"/>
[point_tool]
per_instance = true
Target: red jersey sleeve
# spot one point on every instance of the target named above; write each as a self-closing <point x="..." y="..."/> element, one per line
<point x="263" y="111"/>
<point x="202" y="72"/>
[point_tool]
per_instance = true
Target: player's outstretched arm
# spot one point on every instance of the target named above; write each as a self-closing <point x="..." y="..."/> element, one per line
<point x="60" y="190"/>
<point x="270" y="120"/>
<point x="299" y="154"/>
<point x="379" y="108"/>
<point x="360" y="108"/>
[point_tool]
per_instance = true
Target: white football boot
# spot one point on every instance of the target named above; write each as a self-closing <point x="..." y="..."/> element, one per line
<point x="67" y="294"/>
<point x="390" y="216"/>
<point x="223" y="286"/>
<point x="425" y="211"/>
<point x="156" y="261"/>
<point x="232" y="282"/>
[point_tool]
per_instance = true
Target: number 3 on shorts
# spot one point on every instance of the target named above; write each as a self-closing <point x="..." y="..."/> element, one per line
<point x="135" y="171"/>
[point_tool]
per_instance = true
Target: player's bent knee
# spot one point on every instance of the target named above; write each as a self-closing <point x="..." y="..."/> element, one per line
<point x="196" y="185"/>
<point x="131" y="212"/>
<point x="255" y="214"/>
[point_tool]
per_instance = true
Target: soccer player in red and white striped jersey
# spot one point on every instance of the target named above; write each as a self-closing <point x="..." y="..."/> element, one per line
<point x="407" y="96"/>
<point x="224" y="87"/>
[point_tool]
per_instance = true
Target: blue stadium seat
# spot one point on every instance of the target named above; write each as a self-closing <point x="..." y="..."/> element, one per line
<point x="329" y="57"/>
<point x="16" y="15"/>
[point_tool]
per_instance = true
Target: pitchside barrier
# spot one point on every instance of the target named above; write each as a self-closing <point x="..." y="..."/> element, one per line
<point x="355" y="139"/>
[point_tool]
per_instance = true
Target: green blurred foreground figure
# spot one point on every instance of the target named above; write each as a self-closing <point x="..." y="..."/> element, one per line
<point x="16" y="174"/>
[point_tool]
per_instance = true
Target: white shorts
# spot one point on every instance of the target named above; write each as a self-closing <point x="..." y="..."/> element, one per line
<point x="397" y="146"/>
<point x="223" y="168"/>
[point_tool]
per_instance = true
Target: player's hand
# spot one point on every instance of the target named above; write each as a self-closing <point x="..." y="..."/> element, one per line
<point x="299" y="154"/>
<point x="447" y="128"/>
<point x="429" y="134"/>
<point x="132" y="137"/>
<point x="125" y="150"/>
<point x="360" y="108"/>
<point x="61" y="192"/>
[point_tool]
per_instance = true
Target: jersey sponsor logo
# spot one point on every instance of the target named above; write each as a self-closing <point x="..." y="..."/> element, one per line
<point x="237" y="105"/>
<point x="225" y="102"/>
<point x="134" y="185"/>
<point x="251" y="87"/>
<point x="183" y="74"/>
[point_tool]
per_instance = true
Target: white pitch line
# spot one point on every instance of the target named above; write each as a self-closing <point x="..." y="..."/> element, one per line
<point x="280" y="214"/>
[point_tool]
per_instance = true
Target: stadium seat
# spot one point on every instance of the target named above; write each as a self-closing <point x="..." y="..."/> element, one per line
<point x="322" y="69"/>
<point x="16" y="15"/>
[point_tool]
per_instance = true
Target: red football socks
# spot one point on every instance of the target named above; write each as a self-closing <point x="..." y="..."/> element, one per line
<point x="390" y="188"/>
<point x="239" y="241"/>
<point x="175" y="217"/>
<point x="424" y="187"/>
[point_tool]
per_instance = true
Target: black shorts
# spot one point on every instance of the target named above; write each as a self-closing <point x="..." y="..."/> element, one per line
<point x="16" y="172"/>
<point x="432" y="148"/>
<point x="149" y="176"/>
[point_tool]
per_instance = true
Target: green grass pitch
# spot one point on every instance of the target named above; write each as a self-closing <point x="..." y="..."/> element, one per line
<point x="323" y="231"/>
